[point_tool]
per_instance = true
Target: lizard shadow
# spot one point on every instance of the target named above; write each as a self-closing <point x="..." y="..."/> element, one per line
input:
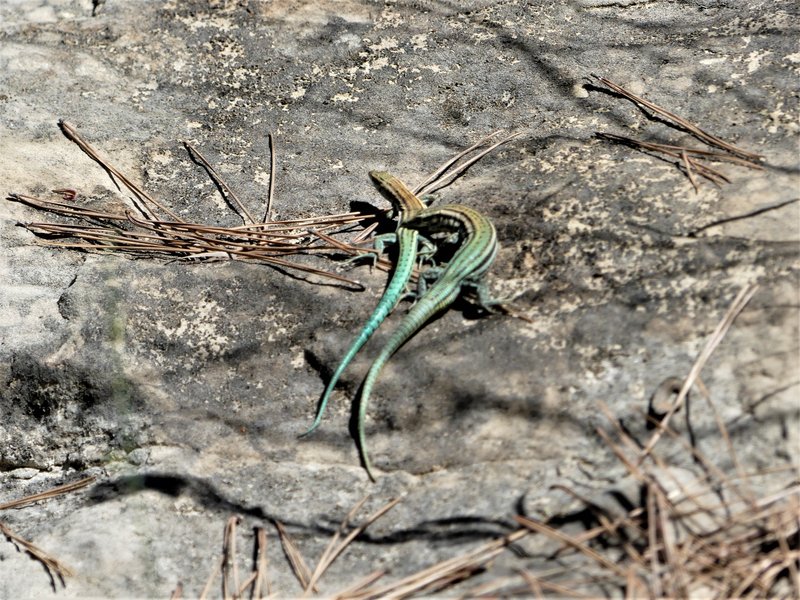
<point x="206" y="494"/>
<point x="454" y="529"/>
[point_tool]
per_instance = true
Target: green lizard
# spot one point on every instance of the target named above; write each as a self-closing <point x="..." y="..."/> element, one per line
<point x="406" y="204"/>
<point x="466" y="268"/>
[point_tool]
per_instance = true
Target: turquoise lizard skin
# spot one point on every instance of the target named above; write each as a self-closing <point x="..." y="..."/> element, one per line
<point x="406" y="205"/>
<point x="466" y="268"/>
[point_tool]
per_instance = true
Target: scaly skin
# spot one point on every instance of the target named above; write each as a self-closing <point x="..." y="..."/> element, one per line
<point x="406" y="205"/>
<point x="467" y="267"/>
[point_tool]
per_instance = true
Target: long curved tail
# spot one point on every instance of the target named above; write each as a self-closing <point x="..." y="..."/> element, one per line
<point x="430" y="304"/>
<point x="407" y="252"/>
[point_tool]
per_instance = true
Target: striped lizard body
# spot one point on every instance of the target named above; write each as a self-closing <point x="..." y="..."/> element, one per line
<point x="406" y="205"/>
<point x="468" y="265"/>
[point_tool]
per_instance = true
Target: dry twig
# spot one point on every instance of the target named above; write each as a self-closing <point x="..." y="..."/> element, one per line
<point x="440" y="178"/>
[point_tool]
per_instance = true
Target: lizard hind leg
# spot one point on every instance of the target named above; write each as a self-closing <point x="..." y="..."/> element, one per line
<point x="494" y="305"/>
<point x="424" y="280"/>
<point x="426" y="251"/>
<point x="484" y="295"/>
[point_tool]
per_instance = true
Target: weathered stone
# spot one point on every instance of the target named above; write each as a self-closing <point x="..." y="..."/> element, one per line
<point x="183" y="386"/>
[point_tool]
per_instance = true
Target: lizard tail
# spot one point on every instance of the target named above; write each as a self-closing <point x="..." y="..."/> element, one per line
<point x="402" y="272"/>
<point x="417" y="317"/>
<point x="351" y="353"/>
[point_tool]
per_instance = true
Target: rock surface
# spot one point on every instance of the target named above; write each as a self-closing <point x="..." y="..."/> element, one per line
<point x="182" y="387"/>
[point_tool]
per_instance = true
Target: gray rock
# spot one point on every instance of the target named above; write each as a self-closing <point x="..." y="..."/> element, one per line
<point x="183" y="386"/>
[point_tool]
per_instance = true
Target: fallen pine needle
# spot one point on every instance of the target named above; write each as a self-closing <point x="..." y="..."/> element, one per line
<point x="52" y="565"/>
<point x="332" y="551"/>
<point x="741" y="300"/>
<point x="51" y="493"/>
<point x="296" y="561"/>
<point x="708" y="138"/>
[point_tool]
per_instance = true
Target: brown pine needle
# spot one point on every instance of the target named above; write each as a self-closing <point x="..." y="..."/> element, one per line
<point x="296" y="561"/>
<point x="245" y="584"/>
<point x="247" y="218"/>
<point x="461" y="168"/>
<point x="381" y="263"/>
<point x="673" y="150"/>
<point x="288" y="229"/>
<point x="687" y="156"/>
<point x="324" y="562"/>
<point x="261" y="578"/>
<point x="184" y="239"/>
<point x="272" y="172"/>
<point x="339" y="245"/>
<point x="72" y="134"/>
<point x="533" y="583"/>
<point x="652" y="538"/>
<point x="177" y="593"/>
<point x="708" y="138"/>
<point x="451" y="161"/>
<point x="180" y="237"/>
<point x="332" y="551"/>
<point x="537" y="586"/>
<point x="688" y="166"/>
<point x="51" y="493"/>
<point x="53" y="567"/>
<point x="230" y="567"/>
<point x="675" y="571"/>
<point x="219" y="564"/>
<point x="65" y="209"/>
<point x="741" y="300"/>
<point x="438" y="180"/>
<point x="356" y="588"/>
<point x="555" y="534"/>
<point x="365" y="234"/>
<point x="442" y="571"/>
<point x="628" y="520"/>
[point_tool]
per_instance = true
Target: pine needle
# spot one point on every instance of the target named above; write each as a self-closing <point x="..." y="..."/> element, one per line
<point x="332" y="551"/>
<point x="741" y="300"/>
<point x="296" y="561"/>
<point x="55" y="569"/>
